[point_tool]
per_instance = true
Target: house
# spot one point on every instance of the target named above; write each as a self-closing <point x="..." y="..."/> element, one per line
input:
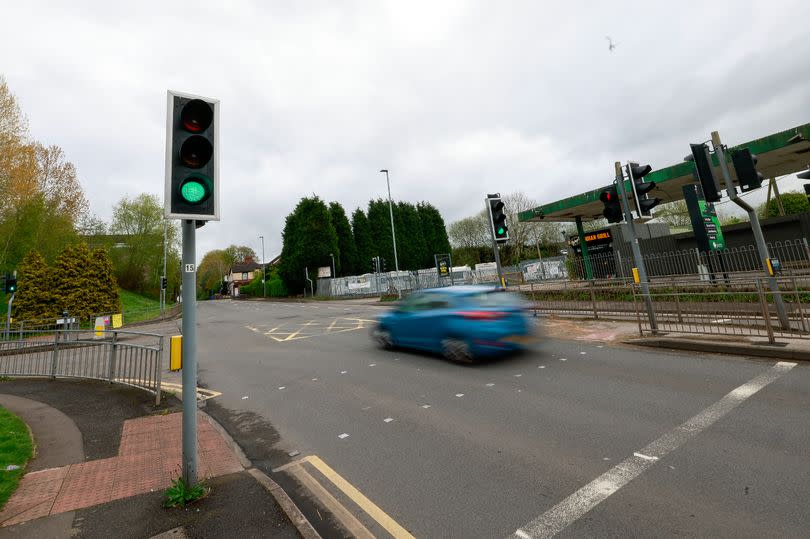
<point x="241" y="274"/>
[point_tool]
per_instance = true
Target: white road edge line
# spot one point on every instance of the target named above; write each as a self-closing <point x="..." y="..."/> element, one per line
<point x="586" y="498"/>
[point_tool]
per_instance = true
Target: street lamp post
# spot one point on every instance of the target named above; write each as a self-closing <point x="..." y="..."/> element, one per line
<point x="264" y="271"/>
<point x="333" y="265"/>
<point x="393" y="234"/>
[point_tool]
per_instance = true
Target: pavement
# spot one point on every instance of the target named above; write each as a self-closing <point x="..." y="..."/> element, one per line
<point x="105" y="454"/>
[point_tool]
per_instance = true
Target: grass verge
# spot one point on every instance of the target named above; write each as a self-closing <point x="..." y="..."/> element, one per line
<point x="137" y="308"/>
<point x="16" y="449"/>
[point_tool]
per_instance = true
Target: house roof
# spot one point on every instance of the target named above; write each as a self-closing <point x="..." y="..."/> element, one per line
<point x="245" y="266"/>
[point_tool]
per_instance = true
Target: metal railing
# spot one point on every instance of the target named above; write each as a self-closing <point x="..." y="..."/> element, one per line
<point x="121" y="357"/>
<point x="740" y="307"/>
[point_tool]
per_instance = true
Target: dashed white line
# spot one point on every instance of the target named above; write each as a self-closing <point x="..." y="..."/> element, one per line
<point x="372" y="364"/>
<point x="459" y="394"/>
<point x="541" y="366"/>
<point x="282" y="387"/>
<point x="518" y="375"/>
<point x="563" y="359"/>
<point x="388" y="419"/>
<point x="342" y="436"/>
<point x="583" y="353"/>
<point x="490" y="385"/>
<point x="586" y="498"/>
<point x="343" y="372"/>
<point x="425" y="406"/>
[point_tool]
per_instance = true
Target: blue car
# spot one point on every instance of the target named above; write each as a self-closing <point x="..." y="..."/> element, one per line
<point x="463" y="323"/>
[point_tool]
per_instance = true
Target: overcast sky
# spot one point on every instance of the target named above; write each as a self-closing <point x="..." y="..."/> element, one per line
<point x="456" y="98"/>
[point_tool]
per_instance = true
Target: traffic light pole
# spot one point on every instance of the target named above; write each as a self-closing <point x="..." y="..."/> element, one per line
<point x="583" y="245"/>
<point x="8" y="316"/>
<point x="642" y="270"/>
<point x="189" y="353"/>
<point x="762" y="247"/>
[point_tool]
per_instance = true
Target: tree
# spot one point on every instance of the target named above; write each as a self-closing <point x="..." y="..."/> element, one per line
<point x="308" y="238"/>
<point x="211" y="271"/>
<point x="347" y="263"/>
<point x="138" y="254"/>
<point x="42" y="199"/>
<point x="239" y="254"/>
<point x="379" y="222"/>
<point x="471" y="232"/>
<point x="34" y="300"/>
<point x="434" y="231"/>
<point x="675" y="214"/>
<point x="362" y="240"/>
<point x="793" y="202"/>
<point x="412" y="248"/>
<point x="108" y="299"/>
<point x="73" y="281"/>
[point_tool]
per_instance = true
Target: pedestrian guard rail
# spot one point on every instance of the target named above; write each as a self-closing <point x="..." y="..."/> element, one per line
<point x="122" y="357"/>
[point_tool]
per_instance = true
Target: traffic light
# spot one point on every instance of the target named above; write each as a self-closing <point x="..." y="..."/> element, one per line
<point x="613" y="206"/>
<point x="11" y="284"/>
<point x="640" y="189"/>
<point x="192" y="158"/>
<point x="497" y="218"/>
<point x="382" y="265"/>
<point x="705" y="174"/>
<point x="745" y="163"/>
<point x="375" y="265"/>
<point x="163" y="283"/>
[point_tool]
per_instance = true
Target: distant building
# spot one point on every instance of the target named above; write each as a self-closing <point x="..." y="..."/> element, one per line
<point x="241" y="274"/>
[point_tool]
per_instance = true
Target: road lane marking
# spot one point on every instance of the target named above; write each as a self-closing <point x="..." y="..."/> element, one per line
<point x="388" y="419"/>
<point x="586" y="498"/>
<point x="362" y="501"/>
<point x="349" y="521"/>
<point x="459" y="394"/>
<point x="343" y="436"/>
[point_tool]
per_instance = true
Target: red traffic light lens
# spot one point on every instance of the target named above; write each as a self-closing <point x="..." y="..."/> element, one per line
<point x="196" y="151"/>
<point x="196" y="116"/>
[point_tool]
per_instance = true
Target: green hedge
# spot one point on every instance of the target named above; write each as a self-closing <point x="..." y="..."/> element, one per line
<point x="275" y="288"/>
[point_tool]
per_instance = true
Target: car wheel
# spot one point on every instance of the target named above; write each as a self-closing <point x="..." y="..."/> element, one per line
<point x="383" y="338"/>
<point x="457" y="350"/>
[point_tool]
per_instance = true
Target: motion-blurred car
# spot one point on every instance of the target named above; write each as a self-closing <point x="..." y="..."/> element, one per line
<point x="463" y="323"/>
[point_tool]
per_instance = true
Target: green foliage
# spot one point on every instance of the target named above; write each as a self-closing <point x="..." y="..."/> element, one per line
<point x="138" y="254"/>
<point x="34" y="300"/>
<point x="180" y="494"/>
<point x="793" y="203"/>
<point x="137" y="308"/>
<point x="104" y="297"/>
<point x="275" y="286"/>
<point x="346" y="262"/>
<point x="213" y="267"/>
<point x="434" y="231"/>
<point x="16" y="449"/>
<point x="81" y="283"/>
<point x="308" y="238"/>
<point x="363" y="241"/>
<point x="72" y="281"/>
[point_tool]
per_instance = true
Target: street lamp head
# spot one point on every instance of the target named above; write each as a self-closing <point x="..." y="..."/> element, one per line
<point x="384" y="170"/>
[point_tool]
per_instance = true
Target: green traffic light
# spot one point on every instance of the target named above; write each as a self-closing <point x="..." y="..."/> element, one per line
<point x="193" y="191"/>
<point x="500" y="231"/>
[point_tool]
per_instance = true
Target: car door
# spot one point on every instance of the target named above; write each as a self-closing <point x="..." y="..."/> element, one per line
<point x="424" y="323"/>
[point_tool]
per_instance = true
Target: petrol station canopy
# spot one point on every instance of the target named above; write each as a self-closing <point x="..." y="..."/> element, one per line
<point x="779" y="154"/>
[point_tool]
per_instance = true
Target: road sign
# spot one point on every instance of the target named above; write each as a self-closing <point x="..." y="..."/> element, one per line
<point x="190" y="268"/>
<point x="705" y="223"/>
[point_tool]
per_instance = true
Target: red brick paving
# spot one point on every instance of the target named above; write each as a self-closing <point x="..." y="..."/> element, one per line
<point x="149" y="458"/>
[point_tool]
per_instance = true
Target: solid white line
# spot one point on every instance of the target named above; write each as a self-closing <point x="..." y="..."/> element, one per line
<point x="586" y="498"/>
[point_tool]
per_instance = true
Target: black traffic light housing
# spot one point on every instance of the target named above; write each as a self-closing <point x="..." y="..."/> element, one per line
<point x="745" y="164"/>
<point x="497" y="218"/>
<point x="11" y="284"/>
<point x="192" y="158"/>
<point x="640" y="189"/>
<point x="164" y="283"/>
<point x="382" y="265"/>
<point x="704" y="172"/>
<point x="613" y="206"/>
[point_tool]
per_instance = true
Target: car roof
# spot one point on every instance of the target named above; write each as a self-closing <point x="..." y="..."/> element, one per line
<point x="463" y="290"/>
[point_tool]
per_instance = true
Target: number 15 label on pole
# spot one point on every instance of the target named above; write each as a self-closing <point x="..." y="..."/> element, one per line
<point x="189" y="268"/>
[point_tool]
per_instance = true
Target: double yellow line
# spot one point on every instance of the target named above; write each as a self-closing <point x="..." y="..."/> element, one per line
<point x="341" y="513"/>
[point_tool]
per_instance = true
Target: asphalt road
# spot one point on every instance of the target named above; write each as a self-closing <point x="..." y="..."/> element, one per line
<point x="557" y="439"/>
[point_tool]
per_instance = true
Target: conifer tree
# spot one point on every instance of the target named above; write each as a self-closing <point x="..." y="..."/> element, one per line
<point x="104" y="276"/>
<point x="34" y="300"/>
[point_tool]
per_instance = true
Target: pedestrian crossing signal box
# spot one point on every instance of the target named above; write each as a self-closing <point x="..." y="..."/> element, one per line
<point x="176" y="353"/>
